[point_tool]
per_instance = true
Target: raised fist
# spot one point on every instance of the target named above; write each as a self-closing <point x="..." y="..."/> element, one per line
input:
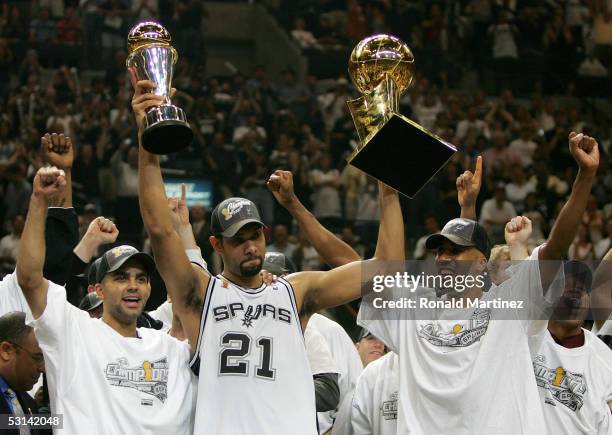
<point x="585" y="151"/>
<point x="48" y="182"/>
<point x="57" y="150"/>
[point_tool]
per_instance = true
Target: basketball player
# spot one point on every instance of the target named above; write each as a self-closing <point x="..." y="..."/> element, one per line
<point x="464" y="371"/>
<point x="247" y="337"/>
<point x="106" y="376"/>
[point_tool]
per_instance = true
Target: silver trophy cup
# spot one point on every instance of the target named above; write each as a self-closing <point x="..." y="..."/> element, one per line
<point x="151" y="57"/>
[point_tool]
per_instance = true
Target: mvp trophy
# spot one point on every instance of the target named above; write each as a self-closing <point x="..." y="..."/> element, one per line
<point x="393" y="149"/>
<point x="151" y="57"/>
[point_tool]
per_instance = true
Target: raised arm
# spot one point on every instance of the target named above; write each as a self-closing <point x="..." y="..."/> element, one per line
<point x="517" y="233"/>
<point x="185" y="286"/>
<point x="57" y="150"/>
<point x="101" y="231"/>
<point x="468" y="188"/>
<point x="585" y="151"/>
<point x="601" y="296"/>
<point x="46" y="186"/>
<point x="334" y="251"/>
<point x="318" y="290"/>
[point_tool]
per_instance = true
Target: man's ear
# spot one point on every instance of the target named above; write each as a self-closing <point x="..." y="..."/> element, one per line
<point x="98" y="289"/>
<point x="6" y="351"/>
<point x="216" y="243"/>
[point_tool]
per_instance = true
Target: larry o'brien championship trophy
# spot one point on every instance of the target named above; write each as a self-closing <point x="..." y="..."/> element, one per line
<point x="393" y="149"/>
<point x="151" y="57"/>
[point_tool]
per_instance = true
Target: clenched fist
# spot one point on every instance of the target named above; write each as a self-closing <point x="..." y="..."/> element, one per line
<point x="48" y="182"/>
<point x="585" y="151"/>
<point x="280" y="184"/>
<point x="57" y="150"/>
<point x="518" y="231"/>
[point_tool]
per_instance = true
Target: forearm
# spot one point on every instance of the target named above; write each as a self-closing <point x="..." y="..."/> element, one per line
<point x="31" y="257"/>
<point x="86" y="249"/>
<point x="327" y="392"/>
<point x="566" y="224"/>
<point x="334" y="251"/>
<point x="468" y="211"/>
<point x="518" y="251"/>
<point x="390" y="244"/>
<point x="185" y="232"/>
<point x="153" y="200"/>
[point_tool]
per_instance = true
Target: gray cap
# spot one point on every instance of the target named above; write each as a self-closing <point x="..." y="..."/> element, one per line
<point x="462" y="232"/>
<point x="114" y="258"/>
<point x="276" y="263"/>
<point x="231" y="215"/>
<point x="90" y="302"/>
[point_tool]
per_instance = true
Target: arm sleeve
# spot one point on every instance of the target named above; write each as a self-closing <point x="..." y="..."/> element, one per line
<point x="58" y="331"/>
<point x="61" y="236"/>
<point x="327" y="392"/>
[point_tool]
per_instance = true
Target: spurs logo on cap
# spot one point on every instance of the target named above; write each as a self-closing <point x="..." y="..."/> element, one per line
<point x="233" y="208"/>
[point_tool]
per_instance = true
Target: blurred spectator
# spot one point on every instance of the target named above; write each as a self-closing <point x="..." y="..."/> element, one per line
<point x="85" y="171"/>
<point x="604" y="245"/>
<point x="280" y="241"/>
<point x="594" y="219"/>
<point x="9" y="244"/>
<point x="305" y="256"/>
<point x="16" y="195"/>
<point x="325" y="182"/>
<point x="582" y="248"/>
<point x="519" y="187"/>
<point x="524" y="146"/>
<point x="495" y="213"/>
<point x="303" y="37"/>
<point x="124" y="164"/>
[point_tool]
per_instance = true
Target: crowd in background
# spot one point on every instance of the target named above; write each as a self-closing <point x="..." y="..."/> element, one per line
<point x="250" y="124"/>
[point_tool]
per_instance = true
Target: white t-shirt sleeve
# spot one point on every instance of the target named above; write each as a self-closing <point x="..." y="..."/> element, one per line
<point x="163" y="313"/>
<point x="58" y="331"/>
<point x="384" y="323"/>
<point x="361" y="409"/>
<point x="319" y="355"/>
<point x="12" y="298"/>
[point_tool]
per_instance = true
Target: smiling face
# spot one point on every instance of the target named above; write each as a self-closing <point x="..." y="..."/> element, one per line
<point x="242" y="254"/>
<point x="370" y="349"/>
<point x="456" y="260"/>
<point x="125" y="292"/>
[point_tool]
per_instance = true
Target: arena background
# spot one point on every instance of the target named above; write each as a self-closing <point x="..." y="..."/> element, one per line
<point x="264" y="85"/>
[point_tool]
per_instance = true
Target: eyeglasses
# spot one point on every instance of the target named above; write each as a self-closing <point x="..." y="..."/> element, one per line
<point x="38" y="357"/>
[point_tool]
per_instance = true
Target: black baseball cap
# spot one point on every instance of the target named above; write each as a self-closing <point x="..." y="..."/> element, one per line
<point x="92" y="275"/>
<point x="232" y="214"/>
<point x="114" y="258"/>
<point x="462" y="232"/>
<point x="90" y="302"/>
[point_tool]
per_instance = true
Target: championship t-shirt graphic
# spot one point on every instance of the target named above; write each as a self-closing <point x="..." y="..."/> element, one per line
<point x="567" y="388"/>
<point x="461" y="334"/>
<point x="150" y="377"/>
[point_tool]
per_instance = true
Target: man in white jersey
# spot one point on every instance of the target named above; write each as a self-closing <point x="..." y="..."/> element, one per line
<point x="246" y="336"/>
<point x="463" y="371"/>
<point x="105" y="375"/>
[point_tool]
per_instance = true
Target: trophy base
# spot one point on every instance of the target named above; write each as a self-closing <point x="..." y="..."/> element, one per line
<point x="167" y="130"/>
<point x="403" y="155"/>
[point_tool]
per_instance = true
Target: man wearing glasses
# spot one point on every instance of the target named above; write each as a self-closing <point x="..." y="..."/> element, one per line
<point x="21" y="363"/>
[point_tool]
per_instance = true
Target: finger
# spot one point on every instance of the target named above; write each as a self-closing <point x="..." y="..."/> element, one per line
<point x="478" y="172"/>
<point x="53" y="140"/>
<point x="144" y="86"/>
<point x="572" y="134"/>
<point x="183" y="192"/>
<point x="68" y="143"/>
<point x="61" y="140"/>
<point x="146" y="97"/>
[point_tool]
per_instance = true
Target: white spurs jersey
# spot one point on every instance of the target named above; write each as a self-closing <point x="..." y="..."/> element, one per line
<point x="254" y="376"/>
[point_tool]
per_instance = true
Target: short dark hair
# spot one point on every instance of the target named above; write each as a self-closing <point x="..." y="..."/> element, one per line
<point x="13" y="327"/>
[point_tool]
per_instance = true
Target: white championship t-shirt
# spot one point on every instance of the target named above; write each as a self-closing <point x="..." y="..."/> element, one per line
<point x="12" y="298"/>
<point x="470" y="376"/>
<point x="374" y="408"/>
<point x="317" y="350"/>
<point x="575" y="386"/>
<point x="104" y="383"/>
<point x="347" y="361"/>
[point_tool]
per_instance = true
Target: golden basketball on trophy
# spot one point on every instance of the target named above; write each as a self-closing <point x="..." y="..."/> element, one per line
<point x="151" y="57"/>
<point x="392" y="148"/>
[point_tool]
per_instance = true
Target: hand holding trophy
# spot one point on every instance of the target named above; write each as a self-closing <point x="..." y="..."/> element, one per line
<point x="151" y="57"/>
<point x="382" y="68"/>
